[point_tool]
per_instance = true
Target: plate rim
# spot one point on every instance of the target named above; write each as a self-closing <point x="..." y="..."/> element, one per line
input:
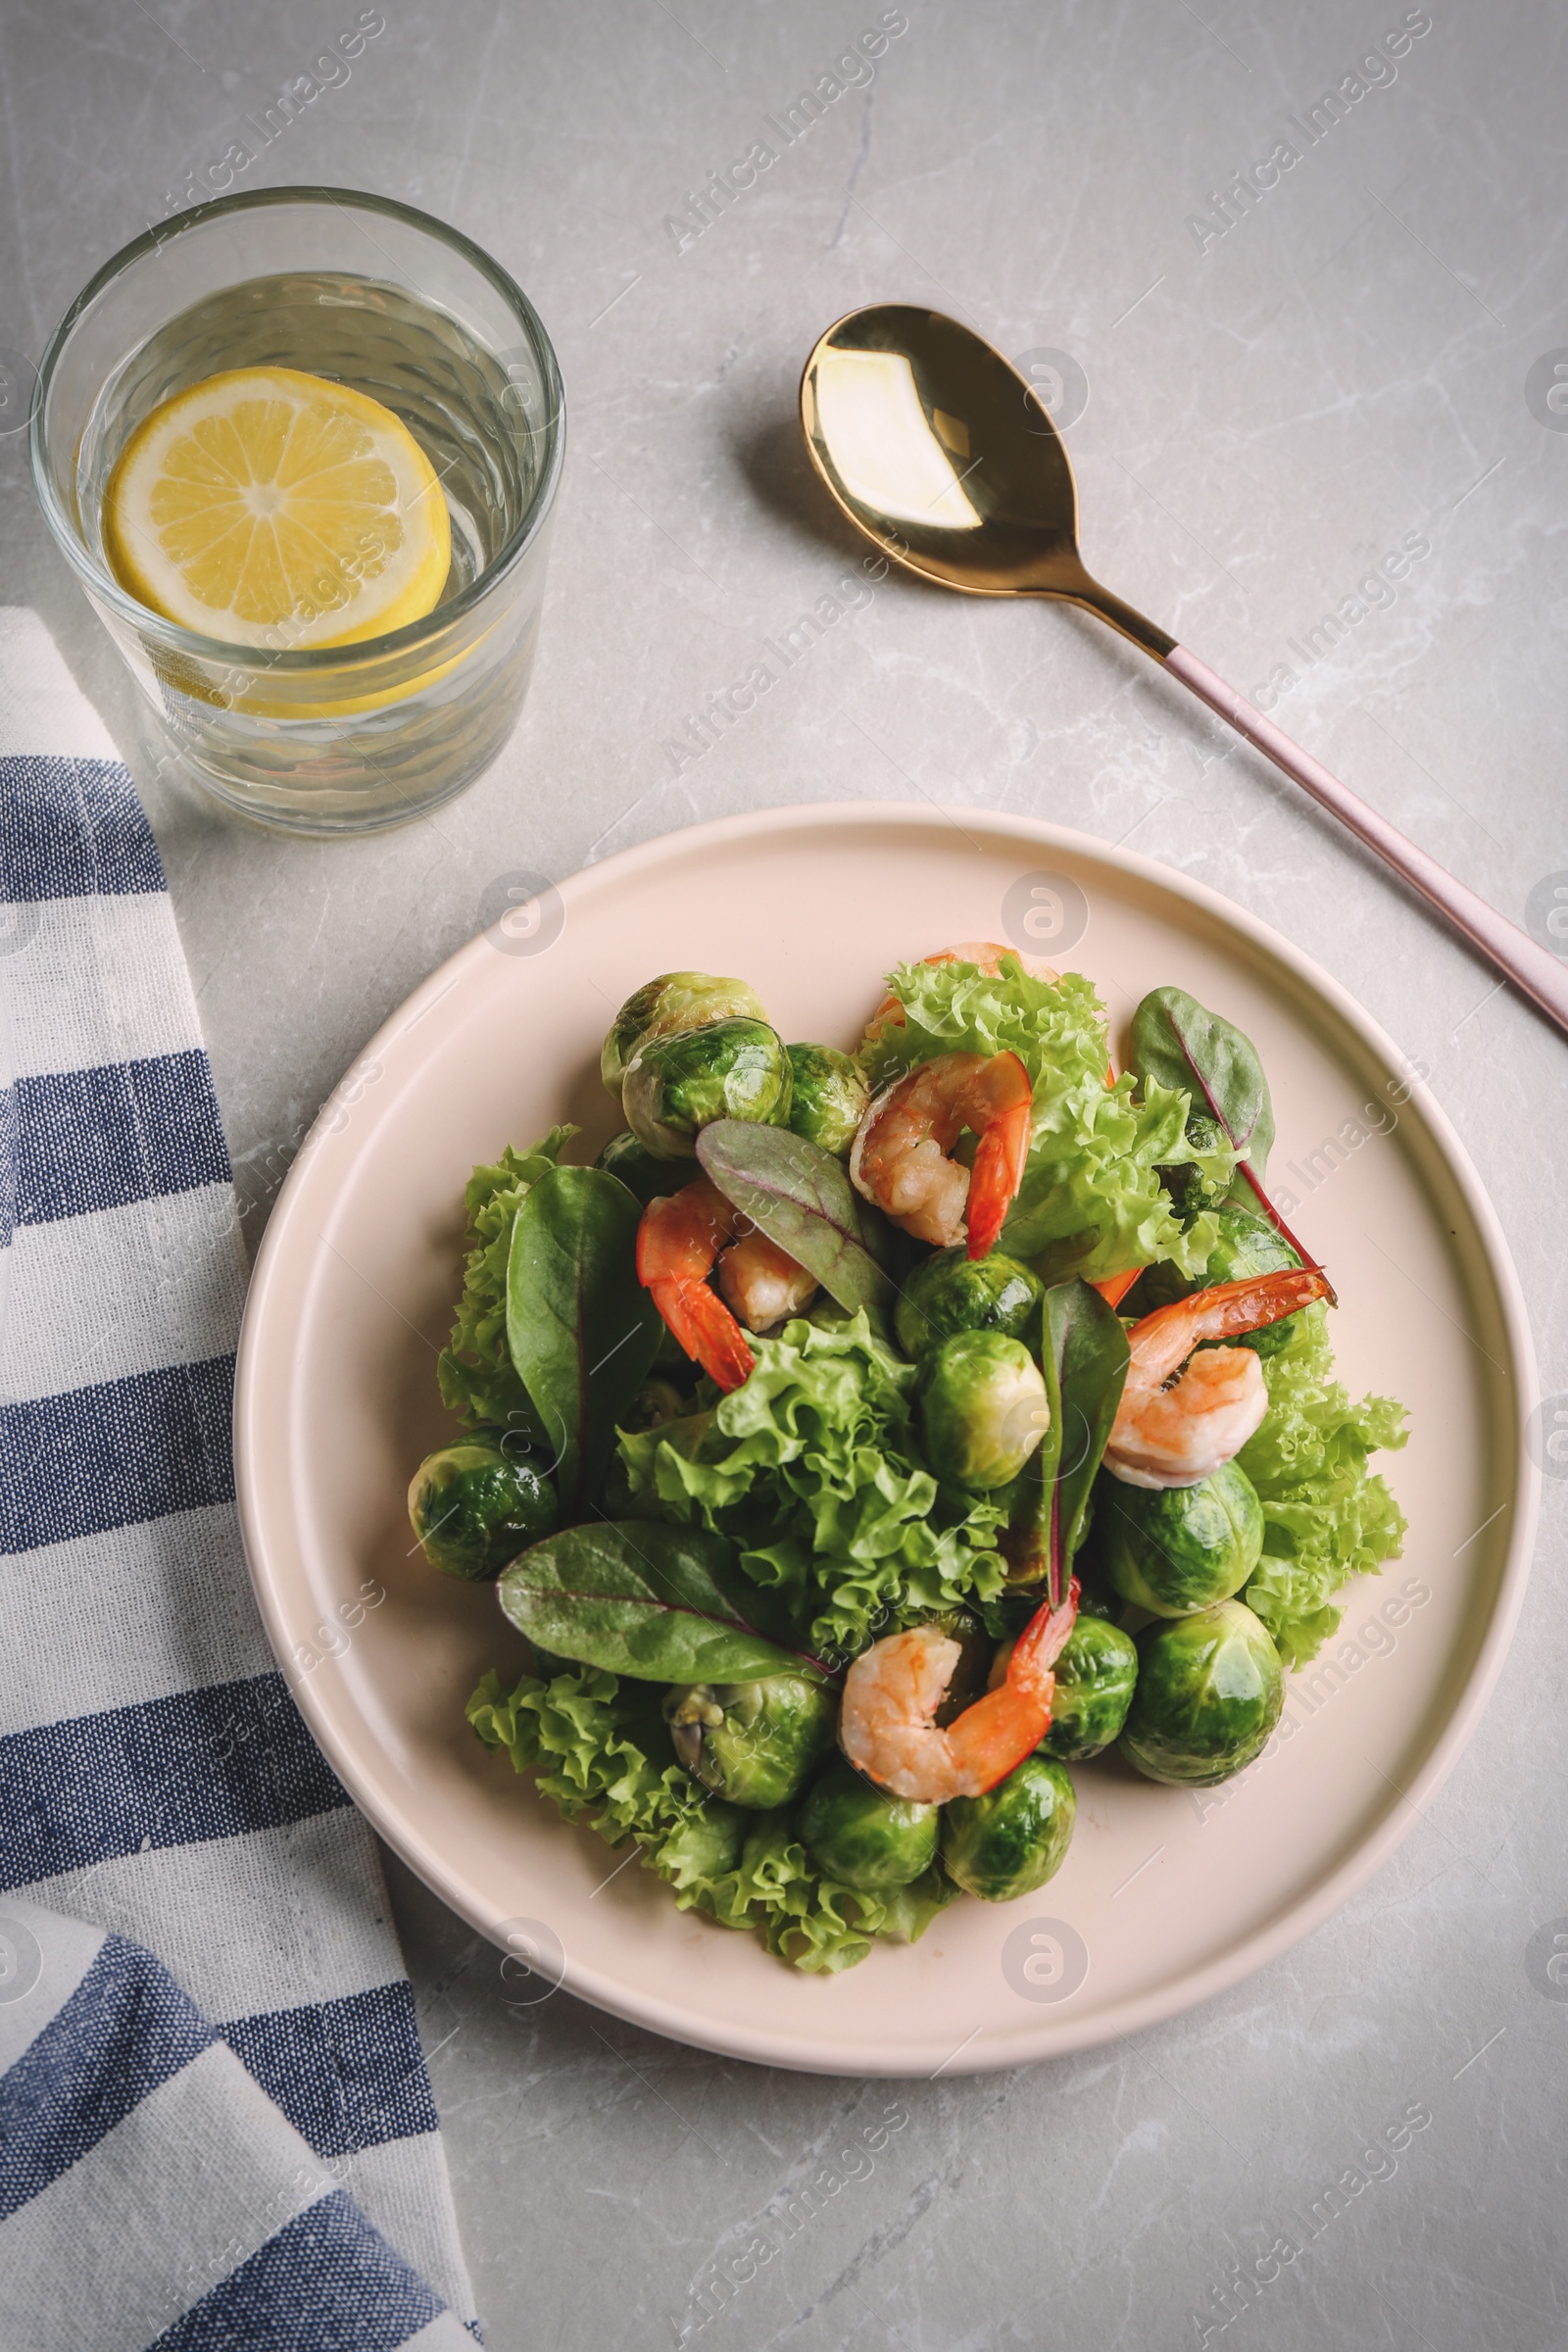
<point x="1037" y="2039"/>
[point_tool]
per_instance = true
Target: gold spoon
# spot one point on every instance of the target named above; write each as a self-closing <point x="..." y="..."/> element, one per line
<point x="936" y="448"/>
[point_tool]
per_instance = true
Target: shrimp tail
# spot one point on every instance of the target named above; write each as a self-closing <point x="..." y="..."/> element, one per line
<point x="1231" y="1308"/>
<point x="1044" y="1638"/>
<point x="1162" y="1340"/>
<point x="998" y="1164"/>
<point x="705" y="1327"/>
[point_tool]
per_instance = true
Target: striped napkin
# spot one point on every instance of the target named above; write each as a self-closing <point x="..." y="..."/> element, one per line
<point x="216" y="2126"/>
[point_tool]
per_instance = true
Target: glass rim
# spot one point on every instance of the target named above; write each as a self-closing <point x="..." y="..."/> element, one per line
<point x="303" y="660"/>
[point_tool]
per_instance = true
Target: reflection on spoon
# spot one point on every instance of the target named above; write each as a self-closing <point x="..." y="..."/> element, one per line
<point x="892" y="455"/>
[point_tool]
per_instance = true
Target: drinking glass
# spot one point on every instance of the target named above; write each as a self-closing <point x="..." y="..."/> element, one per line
<point x="322" y="739"/>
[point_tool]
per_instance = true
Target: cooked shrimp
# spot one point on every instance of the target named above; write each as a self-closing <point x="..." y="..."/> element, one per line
<point x="763" y="1283"/>
<point x="893" y="1688"/>
<point x="900" y="1157"/>
<point x="983" y="952"/>
<point x="679" y="1241"/>
<point x="1178" y="1436"/>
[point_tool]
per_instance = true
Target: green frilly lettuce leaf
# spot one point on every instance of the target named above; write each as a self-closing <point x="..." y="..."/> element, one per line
<point x="1090" y="1203"/>
<point x="599" y="1746"/>
<point x="1326" y="1516"/>
<point x="475" y="1373"/>
<point x="812" y="1468"/>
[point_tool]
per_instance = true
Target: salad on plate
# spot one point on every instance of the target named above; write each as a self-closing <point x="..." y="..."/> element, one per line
<point x="869" y="1441"/>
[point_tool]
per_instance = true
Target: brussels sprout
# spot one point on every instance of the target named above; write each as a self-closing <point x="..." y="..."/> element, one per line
<point x="752" y="1742"/>
<point x="953" y="1291"/>
<point x="1209" y="1693"/>
<point x="864" y="1838"/>
<point x="1173" y="1549"/>
<point x="475" y="1507"/>
<point x="678" y="1084"/>
<point x="1247" y="1245"/>
<point x="830" y="1096"/>
<point x="1192" y="1188"/>
<point x="983" y="1406"/>
<point x="650" y="1179"/>
<point x="656" y="1402"/>
<point x="1094" y="1678"/>
<point x="675" y="1001"/>
<point x="1012" y="1840"/>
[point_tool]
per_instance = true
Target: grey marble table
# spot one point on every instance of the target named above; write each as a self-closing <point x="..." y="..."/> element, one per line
<point x="1347" y="357"/>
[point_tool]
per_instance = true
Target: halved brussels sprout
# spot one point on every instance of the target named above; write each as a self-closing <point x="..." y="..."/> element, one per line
<point x="680" y="1084"/>
<point x="952" y="1292"/>
<point x="1209" y="1693"/>
<point x="855" y="1834"/>
<point x="752" y="1742"/>
<point x="475" y="1507"/>
<point x="1096" y="1675"/>
<point x="650" y="1179"/>
<point x="1247" y="1245"/>
<point x="983" y="1406"/>
<point x="1173" y="1549"/>
<point x="675" y="1001"/>
<point x="1011" y="1841"/>
<point x="830" y="1096"/>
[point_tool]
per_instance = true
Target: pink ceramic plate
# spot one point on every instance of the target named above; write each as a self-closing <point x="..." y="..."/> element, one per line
<point x="1167" y="1895"/>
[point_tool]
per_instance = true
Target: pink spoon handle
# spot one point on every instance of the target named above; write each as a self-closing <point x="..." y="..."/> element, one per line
<point x="1514" y="953"/>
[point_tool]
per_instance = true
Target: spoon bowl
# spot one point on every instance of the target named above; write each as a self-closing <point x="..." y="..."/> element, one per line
<point x="938" y="450"/>
<point x="934" y="445"/>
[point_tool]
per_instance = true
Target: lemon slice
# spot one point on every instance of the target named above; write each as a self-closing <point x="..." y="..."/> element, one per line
<point x="270" y="507"/>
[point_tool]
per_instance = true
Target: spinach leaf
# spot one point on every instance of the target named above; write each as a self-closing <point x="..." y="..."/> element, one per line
<point x="661" y="1604"/>
<point x="478" y="1377"/>
<point x="580" y="1327"/>
<point x="1084" y="1359"/>
<point x="1175" y="1041"/>
<point x="1085" y="1364"/>
<point x="801" y="1199"/>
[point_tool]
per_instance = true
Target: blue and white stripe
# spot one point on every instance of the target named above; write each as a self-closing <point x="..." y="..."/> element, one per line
<point x="216" y="2126"/>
